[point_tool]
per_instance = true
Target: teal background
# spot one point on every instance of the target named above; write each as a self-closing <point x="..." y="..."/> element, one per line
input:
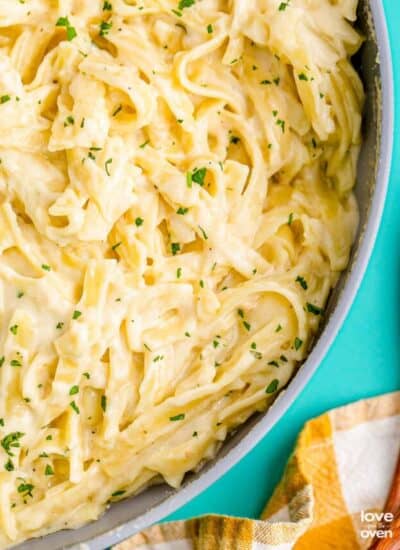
<point x="364" y="360"/>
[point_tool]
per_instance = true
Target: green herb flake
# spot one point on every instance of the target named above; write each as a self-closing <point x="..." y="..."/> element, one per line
<point x="107" y="165"/>
<point x="139" y="222"/>
<point x="74" y="407"/>
<point x="283" y="6"/>
<point x="315" y="310"/>
<point x="273" y="386"/>
<point x="107" y="6"/>
<point x="175" y="248"/>
<point x="11" y="441"/>
<point x="14" y="329"/>
<point x="46" y="267"/>
<point x="118" y="493"/>
<point x="177" y="417"/>
<point x="210" y="29"/>
<point x="105" y="27"/>
<point x="48" y="470"/>
<point x="9" y="466"/>
<point x="76" y="314"/>
<point x="302" y="282"/>
<point x="4" y="98"/>
<point x="74" y="390"/>
<point x="204" y="234"/>
<point x="297" y="343"/>
<point x="144" y="144"/>
<point x="198" y="176"/>
<point x="25" y="488"/>
<point x="104" y="403"/>
<point x="182" y="211"/>
<point x="115" y="246"/>
<point x="15" y="363"/>
<point x="185" y="4"/>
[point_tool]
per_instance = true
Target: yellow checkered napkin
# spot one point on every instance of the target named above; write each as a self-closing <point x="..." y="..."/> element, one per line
<point x="343" y="465"/>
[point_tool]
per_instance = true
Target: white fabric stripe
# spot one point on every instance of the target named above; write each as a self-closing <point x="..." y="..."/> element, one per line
<point x="366" y="457"/>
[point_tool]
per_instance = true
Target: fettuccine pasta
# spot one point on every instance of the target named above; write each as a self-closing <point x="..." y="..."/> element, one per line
<point x="175" y="207"/>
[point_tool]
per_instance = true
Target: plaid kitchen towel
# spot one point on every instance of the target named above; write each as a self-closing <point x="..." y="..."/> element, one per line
<point x="335" y="483"/>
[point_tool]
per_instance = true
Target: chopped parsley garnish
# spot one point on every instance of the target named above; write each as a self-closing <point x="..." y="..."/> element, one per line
<point x="198" y="176"/>
<point x="118" y="493"/>
<point x="46" y="267"/>
<point x="303" y="76"/>
<point x="76" y="314"/>
<point x="139" y="222"/>
<point x="74" y="390"/>
<point x="48" y="470"/>
<point x="179" y="273"/>
<point x="14" y="329"/>
<point x="69" y="121"/>
<point x="25" y="488"/>
<point x="205" y="236"/>
<point x="281" y="123"/>
<point x="247" y="325"/>
<point x="104" y="403"/>
<point x="273" y="364"/>
<point x="278" y="328"/>
<point x="185" y="4"/>
<point x="177" y="417"/>
<point x="235" y="140"/>
<point x="64" y="22"/>
<point x="20" y="294"/>
<point x="297" y="343"/>
<point x="106" y="166"/>
<point x="4" y="98"/>
<point x="86" y="375"/>
<point x="273" y="386"/>
<point x="74" y="407"/>
<point x="210" y="29"/>
<point x="182" y="211"/>
<point x="144" y="144"/>
<point x="175" y="248"/>
<point x="107" y="6"/>
<point x="105" y="27"/>
<point x="311" y="308"/>
<point x="240" y="313"/>
<point x="117" y="110"/>
<point x="302" y="282"/>
<point x="115" y="246"/>
<point x="11" y="441"/>
<point x="283" y="6"/>
<point x="290" y="219"/>
<point x="15" y="363"/>
<point x="9" y="466"/>
<point x="60" y="325"/>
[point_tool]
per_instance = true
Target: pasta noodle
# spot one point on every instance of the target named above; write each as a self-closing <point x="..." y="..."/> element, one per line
<point x="175" y="206"/>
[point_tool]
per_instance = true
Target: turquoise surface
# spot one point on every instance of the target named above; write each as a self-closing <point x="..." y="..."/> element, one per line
<point x="364" y="360"/>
